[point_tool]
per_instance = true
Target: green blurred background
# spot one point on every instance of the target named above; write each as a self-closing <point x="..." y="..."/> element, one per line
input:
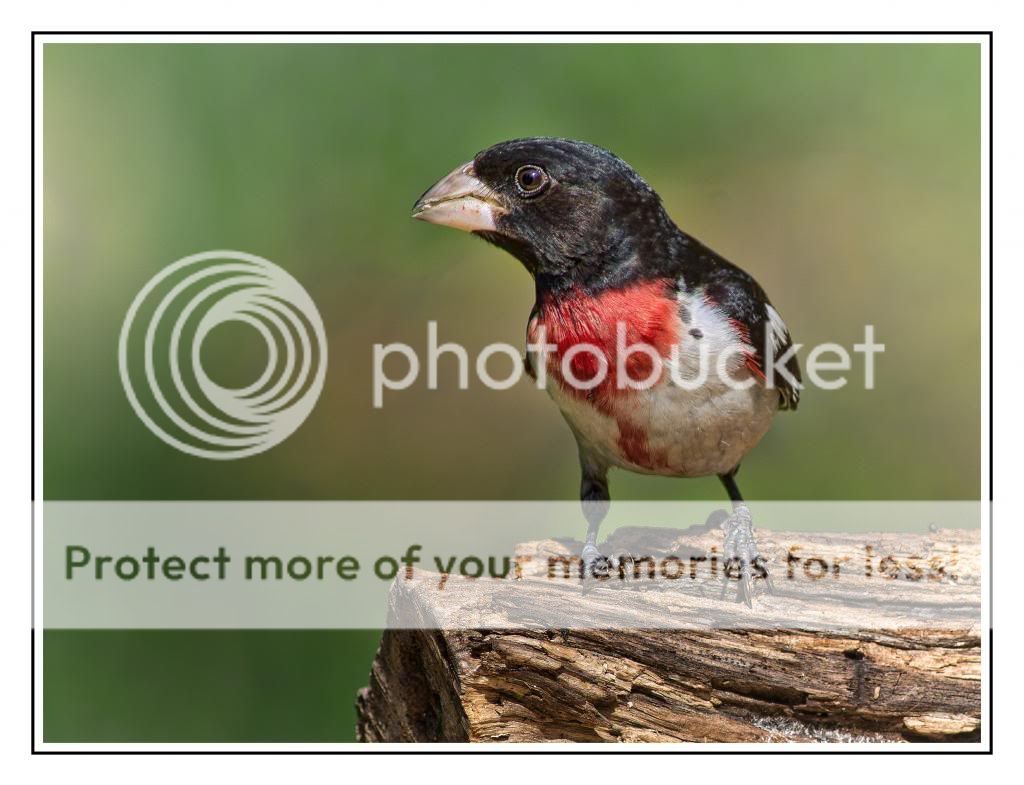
<point x="844" y="177"/>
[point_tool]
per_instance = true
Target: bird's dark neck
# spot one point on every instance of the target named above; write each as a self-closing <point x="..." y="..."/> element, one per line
<point x="656" y="250"/>
<point x="641" y="246"/>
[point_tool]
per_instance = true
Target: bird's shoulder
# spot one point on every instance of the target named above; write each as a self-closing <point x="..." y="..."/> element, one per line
<point x="703" y="275"/>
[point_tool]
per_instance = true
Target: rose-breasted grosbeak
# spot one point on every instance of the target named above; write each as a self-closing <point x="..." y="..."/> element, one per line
<point x="679" y="373"/>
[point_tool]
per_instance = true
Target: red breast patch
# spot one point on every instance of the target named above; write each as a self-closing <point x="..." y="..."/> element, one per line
<point x="646" y="314"/>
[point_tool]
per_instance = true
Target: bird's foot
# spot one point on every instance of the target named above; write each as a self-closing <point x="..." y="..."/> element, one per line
<point x="742" y="562"/>
<point x="596" y="569"/>
<point x="594" y="563"/>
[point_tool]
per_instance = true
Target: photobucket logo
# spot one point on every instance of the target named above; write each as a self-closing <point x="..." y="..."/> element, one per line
<point x="175" y="397"/>
<point x="621" y="364"/>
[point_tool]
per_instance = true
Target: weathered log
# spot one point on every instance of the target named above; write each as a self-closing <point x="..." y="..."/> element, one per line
<point x="902" y="668"/>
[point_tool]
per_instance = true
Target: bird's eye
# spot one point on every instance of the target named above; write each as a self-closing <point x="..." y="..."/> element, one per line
<point x="530" y="180"/>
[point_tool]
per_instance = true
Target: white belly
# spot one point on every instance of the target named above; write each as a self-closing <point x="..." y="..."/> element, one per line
<point x="671" y="431"/>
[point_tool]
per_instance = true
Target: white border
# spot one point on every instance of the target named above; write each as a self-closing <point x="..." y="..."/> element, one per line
<point x="284" y="38"/>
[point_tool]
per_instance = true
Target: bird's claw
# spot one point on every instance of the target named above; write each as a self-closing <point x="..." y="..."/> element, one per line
<point x="596" y="568"/>
<point x="742" y="562"/>
<point x="594" y="563"/>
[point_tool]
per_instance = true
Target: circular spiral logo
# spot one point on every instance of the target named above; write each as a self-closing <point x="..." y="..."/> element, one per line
<point x="177" y="309"/>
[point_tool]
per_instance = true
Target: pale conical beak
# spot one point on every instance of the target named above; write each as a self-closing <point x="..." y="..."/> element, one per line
<point x="461" y="201"/>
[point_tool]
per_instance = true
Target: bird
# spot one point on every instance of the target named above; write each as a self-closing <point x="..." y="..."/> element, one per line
<point x="663" y="357"/>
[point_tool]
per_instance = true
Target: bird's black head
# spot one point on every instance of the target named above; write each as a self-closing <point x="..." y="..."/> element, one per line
<point x="572" y="212"/>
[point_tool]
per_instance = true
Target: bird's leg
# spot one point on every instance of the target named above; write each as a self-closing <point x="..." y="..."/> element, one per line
<point x="742" y="559"/>
<point x="595" y="563"/>
<point x="595" y="499"/>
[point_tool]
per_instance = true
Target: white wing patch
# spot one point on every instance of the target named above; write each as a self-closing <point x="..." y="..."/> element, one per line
<point x="780" y="333"/>
<point x="789" y="386"/>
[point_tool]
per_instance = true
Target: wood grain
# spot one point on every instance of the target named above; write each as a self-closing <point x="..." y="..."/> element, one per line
<point x="902" y="666"/>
